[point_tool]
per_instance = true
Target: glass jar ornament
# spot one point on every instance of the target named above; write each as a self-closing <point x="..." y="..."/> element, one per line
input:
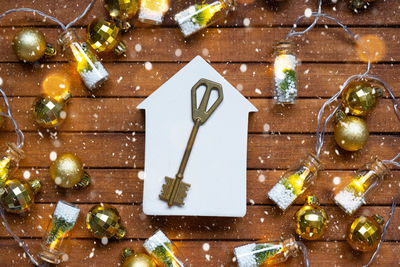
<point x="103" y="220"/>
<point x="354" y="194"/>
<point x="103" y="36"/>
<point x="311" y="219"/>
<point x="203" y="14"/>
<point x="132" y="259"/>
<point x="365" y="233"/>
<point x="266" y="254"/>
<point x="121" y="11"/>
<point x="9" y="161"/>
<point x="351" y="132"/>
<point x="64" y="218"/>
<point x="18" y="196"/>
<point x="30" y="45"/>
<point x="285" y="75"/>
<point x="153" y="11"/>
<point x="92" y="72"/>
<point x="294" y="182"/>
<point x="67" y="171"/>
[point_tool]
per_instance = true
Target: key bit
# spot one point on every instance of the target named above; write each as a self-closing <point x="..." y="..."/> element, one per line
<point x="174" y="191"/>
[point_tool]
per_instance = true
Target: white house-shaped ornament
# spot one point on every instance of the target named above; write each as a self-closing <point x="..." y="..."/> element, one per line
<point x="216" y="169"/>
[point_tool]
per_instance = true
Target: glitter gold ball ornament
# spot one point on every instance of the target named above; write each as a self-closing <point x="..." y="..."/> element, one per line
<point x="30" y="45"/>
<point x="67" y="171"/>
<point x="132" y="259"/>
<point x="102" y="36"/>
<point x="18" y="196"/>
<point x="351" y="133"/>
<point x="311" y="220"/>
<point x="360" y="97"/>
<point x="122" y="10"/>
<point x="103" y="220"/>
<point x="365" y="233"/>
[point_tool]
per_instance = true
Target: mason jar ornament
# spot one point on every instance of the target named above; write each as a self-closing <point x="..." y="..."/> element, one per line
<point x="294" y="182"/>
<point x="354" y="194"/>
<point x="285" y="73"/>
<point x="153" y="11"/>
<point x="9" y="161"/>
<point x="63" y="221"/>
<point x="203" y="14"/>
<point x="103" y="36"/>
<point x="92" y="72"/>
<point x="265" y="254"/>
<point x="103" y="220"/>
<point x="364" y="234"/>
<point x="311" y="219"/>
<point x="18" y="196"/>
<point x="121" y="11"/>
<point x="132" y="259"/>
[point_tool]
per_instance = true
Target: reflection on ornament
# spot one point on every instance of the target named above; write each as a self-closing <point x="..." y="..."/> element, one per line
<point x="365" y="233"/>
<point x="103" y="220"/>
<point x="132" y="259"/>
<point x="67" y="171"/>
<point x="121" y="11"/>
<point x="102" y="36"/>
<point x="18" y="196"/>
<point x="9" y="162"/>
<point x="153" y="11"/>
<point x="30" y="45"/>
<point x="351" y="133"/>
<point x="311" y="220"/>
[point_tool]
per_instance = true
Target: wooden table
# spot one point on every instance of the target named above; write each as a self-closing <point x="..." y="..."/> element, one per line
<point x="107" y="131"/>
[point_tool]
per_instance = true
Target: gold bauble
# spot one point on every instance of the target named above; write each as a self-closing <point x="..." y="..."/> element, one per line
<point x="30" y="45"/>
<point x="122" y="9"/>
<point x="365" y="233"/>
<point x="351" y="133"/>
<point x="103" y="36"/>
<point x="67" y="171"/>
<point x="17" y="196"/>
<point x="103" y="220"/>
<point x="132" y="259"/>
<point x="311" y="220"/>
<point x="360" y="97"/>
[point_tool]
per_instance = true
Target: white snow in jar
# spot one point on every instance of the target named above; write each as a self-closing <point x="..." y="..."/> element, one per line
<point x="282" y="196"/>
<point x="349" y="201"/>
<point x="94" y="77"/>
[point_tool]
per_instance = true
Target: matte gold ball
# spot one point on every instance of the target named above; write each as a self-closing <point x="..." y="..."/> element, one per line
<point x="311" y="220"/>
<point x="351" y="133"/>
<point x="139" y="260"/>
<point x="29" y="44"/>
<point x="365" y="233"/>
<point x="67" y="170"/>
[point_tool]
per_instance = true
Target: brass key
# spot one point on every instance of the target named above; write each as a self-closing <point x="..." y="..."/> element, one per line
<point x="174" y="191"/>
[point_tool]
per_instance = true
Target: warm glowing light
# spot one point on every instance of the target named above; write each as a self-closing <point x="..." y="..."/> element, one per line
<point x="56" y="85"/>
<point x="371" y="46"/>
<point x="282" y="63"/>
<point x="155" y="6"/>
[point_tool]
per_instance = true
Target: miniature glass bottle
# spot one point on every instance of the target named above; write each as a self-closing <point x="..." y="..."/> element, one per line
<point x="9" y="162"/>
<point x="285" y="73"/>
<point x="353" y="195"/>
<point x="201" y="15"/>
<point x="294" y="182"/>
<point x="64" y="219"/>
<point x="265" y="254"/>
<point x="92" y="72"/>
<point x="164" y="252"/>
<point x="153" y="11"/>
<point x="18" y="195"/>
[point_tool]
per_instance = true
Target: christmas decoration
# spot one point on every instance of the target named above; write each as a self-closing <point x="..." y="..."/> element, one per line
<point x="311" y="220"/>
<point x="199" y="16"/>
<point x="103" y="220"/>
<point x="9" y="161"/>
<point x="351" y="133"/>
<point x="90" y="69"/>
<point x="121" y="11"/>
<point x="67" y="171"/>
<point x="285" y="73"/>
<point x="365" y="233"/>
<point x="153" y="11"/>
<point x="30" y="45"/>
<point x="294" y="182"/>
<point x="64" y="219"/>
<point x="352" y="196"/>
<point x="18" y="196"/>
<point x="359" y="5"/>
<point x="132" y="259"/>
<point x="163" y="250"/>
<point x="102" y="36"/>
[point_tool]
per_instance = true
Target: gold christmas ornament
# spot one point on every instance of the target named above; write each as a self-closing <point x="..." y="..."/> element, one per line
<point x="103" y="220"/>
<point x="132" y="259"/>
<point x="360" y="97"/>
<point x="30" y="45"/>
<point x="9" y="162"/>
<point x="67" y="171"/>
<point x="351" y="133"/>
<point x="122" y="10"/>
<point x="365" y="233"/>
<point x="102" y="36"/>
<point x="18" y="196"/>
<point x="311" y="219"/>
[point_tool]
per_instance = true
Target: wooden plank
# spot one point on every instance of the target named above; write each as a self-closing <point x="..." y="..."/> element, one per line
<point x="260" y="222"/>
<point x="255" y="44"/>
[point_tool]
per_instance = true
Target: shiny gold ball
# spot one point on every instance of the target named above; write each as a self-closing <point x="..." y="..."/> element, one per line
<point x="103" y="220"/>
<point x="351" y="133"/>
<point x="122" y="9"/>
<point x="48" y="112"/>
<point x="29" y="44"/>
<point x="103" y="36"/>
<point x="18" y="196"/>
<point x="139" y="260"/>
<point x="365" y="233"/>
<point x="360" y="97"/>
<point x="311" y="220"/>
<point x="67" y="170"/>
